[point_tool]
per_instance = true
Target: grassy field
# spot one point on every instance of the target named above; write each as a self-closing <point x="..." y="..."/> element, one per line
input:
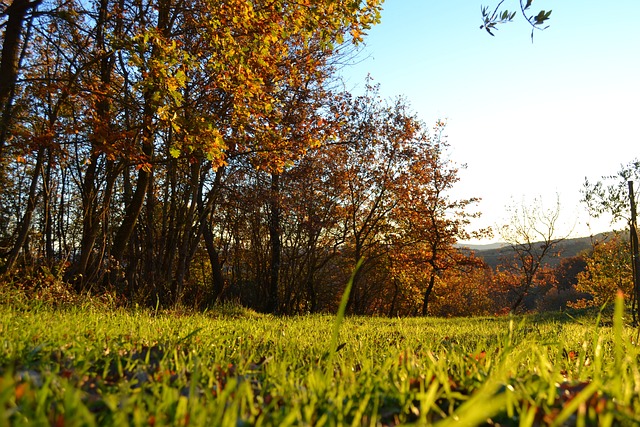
<point x="231" y="367"/>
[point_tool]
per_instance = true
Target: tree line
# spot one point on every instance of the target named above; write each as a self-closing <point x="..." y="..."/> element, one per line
<point x="181" y="152"/>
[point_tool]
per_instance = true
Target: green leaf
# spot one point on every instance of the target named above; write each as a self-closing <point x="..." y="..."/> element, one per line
<point x="542" y="16"/>
<point x="181" y="78"/>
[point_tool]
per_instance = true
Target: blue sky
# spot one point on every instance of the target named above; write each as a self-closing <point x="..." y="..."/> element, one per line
<point x="530" y="120"/>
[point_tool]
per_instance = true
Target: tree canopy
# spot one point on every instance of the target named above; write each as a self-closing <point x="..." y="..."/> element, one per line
<point x="186" y="152"/>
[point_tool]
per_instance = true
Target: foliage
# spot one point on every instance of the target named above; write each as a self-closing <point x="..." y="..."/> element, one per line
<point x="609" y="196"/>
<point x="184" y="153"/>
<point x="491" y="19"/>
<point x="393" y="208"/>
<point x="99" y="367"/>
<point x="468" y="289"/>
<point x="617" y="199"/>
<point x="567" y="271"/>
<point x="608" y="271"/>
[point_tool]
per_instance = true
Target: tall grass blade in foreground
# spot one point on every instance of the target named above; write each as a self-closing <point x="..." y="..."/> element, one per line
<point x="333" y="345"/>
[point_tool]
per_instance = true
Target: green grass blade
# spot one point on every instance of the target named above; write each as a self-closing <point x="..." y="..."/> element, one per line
<point x="618" y="318"/>
<point x="333" y="345"/>
<point x="572" y="406"/>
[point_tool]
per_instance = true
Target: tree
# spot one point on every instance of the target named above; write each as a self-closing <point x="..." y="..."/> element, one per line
<point x="614" y="196"/>
<point x="311" y="191"/>
<point x="430" y="219"/>
<point x="608" y="270"/>
<point x="371" y="158"/>
<point x="567" y="270"/>
<point x="396" y="212"/>
<point x="16" y="15"/>
<point x="466" y="290"/>
<point x="38" y="112"/>
<point x="532" y="235"/>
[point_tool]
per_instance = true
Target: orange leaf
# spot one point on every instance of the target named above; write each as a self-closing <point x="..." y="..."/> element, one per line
<point x="20" y="390"/>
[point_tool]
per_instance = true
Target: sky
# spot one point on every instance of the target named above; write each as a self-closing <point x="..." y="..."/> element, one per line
<point x="531" y="120"/>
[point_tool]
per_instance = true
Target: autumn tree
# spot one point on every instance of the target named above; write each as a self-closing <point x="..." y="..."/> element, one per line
<point x="567" y="270"/>
<point x="532" y="235"/>
<point x="147" y="103"/>
<point x="431" y="220"/>
<point x="270" y="104"/>
<point x="370" y="160"/>
<point x="18" y="18"/>
<point x="310" y="230"/>
<point x="467" y="289"/>
<point x="40" y="118"/>
<point x="395" y="212"/>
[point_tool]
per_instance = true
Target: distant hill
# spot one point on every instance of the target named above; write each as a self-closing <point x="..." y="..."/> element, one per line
<point x="485" y="247"/>
<point x="494" y="253"/>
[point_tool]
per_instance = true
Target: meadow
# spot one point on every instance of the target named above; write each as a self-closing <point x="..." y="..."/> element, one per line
<point x="86" y="365"/>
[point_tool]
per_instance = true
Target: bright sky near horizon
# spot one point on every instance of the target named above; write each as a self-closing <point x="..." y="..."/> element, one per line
<point x="530" y="120"/>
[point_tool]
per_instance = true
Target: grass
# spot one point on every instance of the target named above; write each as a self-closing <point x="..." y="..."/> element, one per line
<point x="232" y="367"/>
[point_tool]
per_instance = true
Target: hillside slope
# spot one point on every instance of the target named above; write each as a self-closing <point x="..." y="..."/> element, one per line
<point x="494" y="254"/>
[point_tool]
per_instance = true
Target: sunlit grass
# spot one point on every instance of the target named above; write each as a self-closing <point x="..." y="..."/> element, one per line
<point x="235" y="367"/>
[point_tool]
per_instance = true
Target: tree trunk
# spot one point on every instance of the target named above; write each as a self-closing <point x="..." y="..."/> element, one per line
<point x="216" y="267"/>
<point x="310" y="286"/>
<point x="204" y="214"/>
<point x="150" y="254"/>
<point x="25" y="223"/>
<point x="94" y="217"/>
<point x="17" y="13"/>
<point x="353" y="302"/>
<point x="529" y="275"/>
<point x="132" y="211"/>
<point x="47" y="214"/>
<point x="145" y="171"/>
<point x="516" y="304"/>
<point x="124" y="233"/>
<point x="276" y="248"/>
<point x="89" y="221"/>
<point x="169" y="235"/>
<point x="184" y="250"/>
<point x="635" y="256"/>
<point x="394" y="300"/>
<point x="9" y="62"/>
<point x="427" y="293"/>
